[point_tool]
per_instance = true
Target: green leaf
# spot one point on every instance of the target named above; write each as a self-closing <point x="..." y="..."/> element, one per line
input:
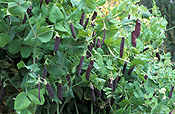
<point x="15" y="46"/>
<point x="59" y="27"/>
<point x="124" y="102"/>
<point x="33" y="95"/>
<point x="101" y="2"/>
<point x="109" y="62"/>
<point x="55" y="15"/>
<point x="91" y="3"/>
<point x="75" y="16"/>
<point x="3" y="26"/>
<point x="21" y="64"/>
<point x="78" y="91"/>
<point x="4" y="39"/>
<point x="25" y="51"/>
<point x="137" y="61"/>
<point x="26" y="111"/>
<point x="21" y="101"/>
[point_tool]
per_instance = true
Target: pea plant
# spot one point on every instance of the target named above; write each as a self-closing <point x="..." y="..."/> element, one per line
<point x="71" y="56"/>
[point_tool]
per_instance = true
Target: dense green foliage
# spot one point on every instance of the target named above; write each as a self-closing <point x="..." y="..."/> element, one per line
<point x="45" y="44"/>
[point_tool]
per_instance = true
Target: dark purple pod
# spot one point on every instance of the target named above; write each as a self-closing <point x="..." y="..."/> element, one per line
<point x="47" y="1"/>
<point x="92" y="93"/>
<point x="110" y="83"/>
<point x="8" y="16"/>
<point x="3" y="91"/>
<point x="116" y="80"/>
<point x="50" y="90"/>
<point x="60" y="91"/>
<point x="130" y="70"/>
<point x="68" y="79"/>
<point x="29" y="10"/>
<point x="171" y="92"/>
<point x="98" y="92"/>
<point x="170" y="112"/>
<point x="112" y="101"/>
<point x="39" y="97"/>
<point x="82" y="18"/>
<point x="133" y="39"/>
<point x="94" y="42"/>
<point x="93" y="34"/>
<point x="137" y="28"/>
<point x="57" y="43"/>
<point x="129" y="16"/>
<point x="98" y="43"/>
<point x="44" y="73"/>
<point x="104" y="32"/>
<point x="41" y="2"/>
<point x="80" y="65"/>
<point x="88" y="53"/>
<point x="73" y="30"/>
<point x="88" y="72"/>
<point x="145" y="49"/>
<point x="124" y="67"/>
<point x="158" y="56"/>
<point x="122" y="47"/>
<point x="94" y="15"/>
<point x="145" y="77"/>
<point x="86" y="22"/>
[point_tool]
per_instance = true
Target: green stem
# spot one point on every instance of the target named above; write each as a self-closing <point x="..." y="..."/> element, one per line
<point x="62" y="107"/>
<point x="58" y="108"/>
<point x="91" y="107"/>
<point x="77" y="84"/>
<point x="170" y="28"/>
<point x="76" y="107"/>
<point x="34" y="52"/>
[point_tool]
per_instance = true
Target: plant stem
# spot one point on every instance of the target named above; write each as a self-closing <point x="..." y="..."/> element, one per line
<point x="76" y="107"/>
<point x="62" y="107"/>
<point x="77" y="84"/>
<point x="58" y="108"/>
<point x="34" y="52"/>
<point x="91" y="107"/>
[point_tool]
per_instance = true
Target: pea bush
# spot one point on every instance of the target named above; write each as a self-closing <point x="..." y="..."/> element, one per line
<point x="69" y="56"/>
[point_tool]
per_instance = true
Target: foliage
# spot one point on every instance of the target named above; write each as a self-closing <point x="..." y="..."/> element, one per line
<point x="42" y="44"/>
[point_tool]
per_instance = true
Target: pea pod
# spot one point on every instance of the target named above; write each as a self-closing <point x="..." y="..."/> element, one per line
<point x="116" y="80"/>
<point x="47" y="1"/>
<point x="39" y="90"/>
<point x="73" y="30"/>
<point x="137" y="28"/>
<point x="130" y="70"/>
<point x="171" y="92"/>
<point x="90" y="47"/>
<point x="60" y="91"/>
<point x="80" y="65"/>
<point x="158" y="56"/>
<point x="145" y="49"/>
<point x="98" y="92"/>
<point x="44" y="73"/>
<point x="98" y="43"/>
<point x="3" y="91"/>
<point x="29" y="11"/>
<point x="41" y="2"/>
<point x="92" y="93"/>
<point x="94" y="15"/>
<point x="122" y="47"/>
<point x="50" y="90"/>
<point x="124" y="67"/>
<point x="133" y="39"/>
<point x="57" y="43"/>
<point x="88" y="72"/>
<point x="82" y="18"/>
<point x="68" y="79"/>
<point x="86" y="22"/>
<point x="104" y="32"/>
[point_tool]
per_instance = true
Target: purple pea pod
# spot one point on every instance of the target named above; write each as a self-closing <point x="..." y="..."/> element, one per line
<point x="8" y="16"/>
<point x="60" y="91"/>
<point x="41" y="2"/>
<point x="170" y="112"/>
<point x="50" y="90"/>
<point x="73" y="30"/>
<point x="90" y="66"/>
<point x="88" y="53"/>
<point x="86" y="22"/>
<point x="39" y="97"/>
<point x="145" y="49"/>
<point x="80" y="65"/>
<point x="158" y="56"/>
<point x="171" y="92"/>
<point x="57" y="43"/>
<point x="98" y="43"/>
<point x="122" y="47"/>
<point x="29" y="10"/>
<point x="133" y="38"/>
<point x="92" y="93"/>
<point x="145" y="77"/>
<point x="116" y="80"/>
<point x="82" y="18"/>
<point x="68" y="79"/>
<point x="98" y="92"/>
<point x="137" y="28"/>
<point x="94" y="15"/>
<point x="124" y="67"/>
<point x="130" y="70"/>
<point x="47" y="1"/>
<point x="104" y="32"/>
<point x="112" y="101"/>
<point x="44" y="73"/>
<point x="94" y="42"/>
<point x="129" y="16"/>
